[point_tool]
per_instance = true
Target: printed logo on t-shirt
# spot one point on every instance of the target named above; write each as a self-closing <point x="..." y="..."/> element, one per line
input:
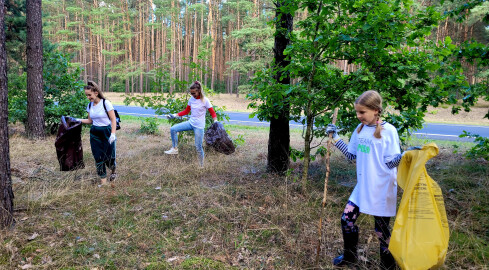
<point x="364" y="145"/>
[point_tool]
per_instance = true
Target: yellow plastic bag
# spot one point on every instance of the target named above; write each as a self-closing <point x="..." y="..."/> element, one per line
<point x="420" y="235"/>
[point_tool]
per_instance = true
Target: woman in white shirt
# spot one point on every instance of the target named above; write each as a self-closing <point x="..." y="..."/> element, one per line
<point x="198" y="104"/>
<point x="102" y="133"/>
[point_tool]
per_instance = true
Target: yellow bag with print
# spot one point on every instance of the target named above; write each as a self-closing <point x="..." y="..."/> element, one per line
<point x="420" y="235"/>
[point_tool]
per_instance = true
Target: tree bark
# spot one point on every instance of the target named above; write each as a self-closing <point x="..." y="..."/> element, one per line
<point x="196" y="38"/>
<point x="84" y="50"/>
<point x="279" y="137"/>
<point x="173" y="47"/>
<point x="141" y="48"/>
<point x="35" y="92"/>
<point x="6" y="192"/>
<point x="238" y="27"/>
<point x="213" y="44"/>
<point x="201" y="37"/>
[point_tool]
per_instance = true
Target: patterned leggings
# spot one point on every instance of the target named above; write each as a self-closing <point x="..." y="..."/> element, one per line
<point x="350" y="216"/>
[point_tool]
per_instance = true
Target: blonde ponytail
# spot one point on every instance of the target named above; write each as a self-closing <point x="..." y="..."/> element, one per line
<point x="378" y="129"/>
<point x="360" y="128"/>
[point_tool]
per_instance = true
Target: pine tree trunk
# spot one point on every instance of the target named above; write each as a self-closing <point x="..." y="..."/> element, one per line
<point x="129" y="85"/>
<point x="279" y="136"/>
<point x="186" y="45"/>
<point x="152" y="49"/>
<point x="178" y="42"/>
<point x="141" y="48"/>
<point x="35" y="91"/>
<point x="172" y="53"/>
<point x="229" y="50"/>
<point x="238" y="27"/>
<point x="201" y="36"/>
<point x="99" y="62"/>
<point x="208" y="63"/>
<point x="84" y="48"/>
<point x="196" y="40"/>
<point x="6" y="192"/>
<point x="213" y="45"/>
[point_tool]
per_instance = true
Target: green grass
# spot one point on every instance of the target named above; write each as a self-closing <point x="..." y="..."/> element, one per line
<point x="163" y="212"/>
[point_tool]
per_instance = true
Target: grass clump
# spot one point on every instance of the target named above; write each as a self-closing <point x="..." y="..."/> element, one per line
<point x="164" y="212"/>
<point x="149" y="125"/>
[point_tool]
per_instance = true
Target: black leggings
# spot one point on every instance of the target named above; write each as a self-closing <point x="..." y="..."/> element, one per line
<point x="350" y="216"/>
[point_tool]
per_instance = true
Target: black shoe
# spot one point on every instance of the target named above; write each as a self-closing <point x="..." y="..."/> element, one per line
<point x="387" y="262"/>
<point x="349" y="255"/>
<point x="340" y="261"/>
<point x="113" y="175"/>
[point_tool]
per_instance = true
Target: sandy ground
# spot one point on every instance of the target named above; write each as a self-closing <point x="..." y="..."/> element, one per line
<point x="434" y="115"/>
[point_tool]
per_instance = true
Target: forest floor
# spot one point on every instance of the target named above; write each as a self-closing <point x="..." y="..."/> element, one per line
<point x="441" y="114"/>
<point x="163" y="212"/>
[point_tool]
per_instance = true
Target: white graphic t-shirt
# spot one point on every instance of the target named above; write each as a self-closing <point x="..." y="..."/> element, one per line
<point x="98" y="114"/>
<point x="197" y="111"/>
<point x="376" y="189"/>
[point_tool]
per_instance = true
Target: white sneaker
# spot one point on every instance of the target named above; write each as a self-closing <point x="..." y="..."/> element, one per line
<point x="172" y="151"/>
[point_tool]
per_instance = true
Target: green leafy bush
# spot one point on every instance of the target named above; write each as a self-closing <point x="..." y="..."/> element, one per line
<point x="481" y="149"/>
<point x="63" y="92"/>
<point x="238" y="140"/>
<point x="149" y="126"/>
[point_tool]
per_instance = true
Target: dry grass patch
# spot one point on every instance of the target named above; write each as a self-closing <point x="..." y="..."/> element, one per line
<point x="163" y="212"/>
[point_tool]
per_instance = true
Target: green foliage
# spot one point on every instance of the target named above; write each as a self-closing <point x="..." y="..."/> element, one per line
<point x="475" y="53"/>
<point x="296" y="154"/>
<point x="387" y="48"/>
<point x="472" y="52"/>
<point x="386" y="41"/>
<point x="256" y="39"/>
<point x="459" y="11"/>
<point x="238" y="140"/>
<point x="481" y="149"/>
<point x="173" y="102"/>
<point x="63" y="92"/>
<point x="15" y="32"/>
<point x="149" y="126"/>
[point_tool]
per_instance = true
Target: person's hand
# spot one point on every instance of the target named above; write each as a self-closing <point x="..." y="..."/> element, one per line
<point x="215" y="120"/>
<point x="171" y="116"/>
<point x="333" y="129"/>
<point x="73" y="119"/>
<point x="411" y="148"/>
<point x="112" y="138"/>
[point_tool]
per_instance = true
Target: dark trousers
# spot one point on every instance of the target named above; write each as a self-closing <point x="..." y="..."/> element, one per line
<point x="103" y="152"/>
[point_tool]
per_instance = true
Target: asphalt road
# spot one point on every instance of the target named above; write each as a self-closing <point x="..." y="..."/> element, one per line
<point x="429" y="131"/>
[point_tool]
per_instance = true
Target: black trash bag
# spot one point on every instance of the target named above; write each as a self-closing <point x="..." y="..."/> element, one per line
<point x="217" y="137"/>
<point x="69" y="144"/>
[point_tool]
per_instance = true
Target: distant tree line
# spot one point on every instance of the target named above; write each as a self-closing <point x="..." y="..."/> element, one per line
<point x="129" y="45"/>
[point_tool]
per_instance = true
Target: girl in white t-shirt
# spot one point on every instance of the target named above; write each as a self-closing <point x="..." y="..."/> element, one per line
<point x="101" y="116"/>
<point x="375" y="146"/>
<point x="198" y="104"/>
